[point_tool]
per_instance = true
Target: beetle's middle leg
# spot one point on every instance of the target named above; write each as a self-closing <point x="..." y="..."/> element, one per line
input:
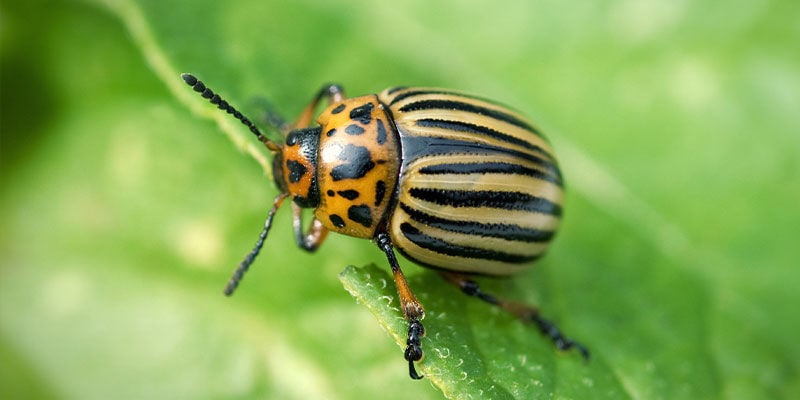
<point x="412" y="309"/>
<point x="332" y="92"/>
<point x="526" y="313"/>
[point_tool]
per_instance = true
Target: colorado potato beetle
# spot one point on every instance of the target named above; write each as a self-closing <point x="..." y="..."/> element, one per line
<point x="454" y="182"/>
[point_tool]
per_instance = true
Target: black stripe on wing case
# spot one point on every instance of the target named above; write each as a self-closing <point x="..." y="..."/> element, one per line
<point x="423" y="92"/>
<point x="460" y="126"/>
<point x="396" y="89"/>
<point x="461" y="106"/>
<point x="502" y="231"/>
<point x="487" y="168"/>
<point x="440" y="246"/>
<point x="423" y="146"/>
<point x="486" y="198"/>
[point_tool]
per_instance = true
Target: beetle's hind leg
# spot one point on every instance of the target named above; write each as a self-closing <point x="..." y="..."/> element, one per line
<point x="526" y="313"/>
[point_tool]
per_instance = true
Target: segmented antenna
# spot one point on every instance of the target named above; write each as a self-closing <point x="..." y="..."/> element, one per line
<point x="214" y="98"/>
<point x="237" y="276"/>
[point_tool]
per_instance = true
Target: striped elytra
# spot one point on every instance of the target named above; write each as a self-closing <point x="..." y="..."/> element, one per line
<point x="479" y="190"/>
<point x="455" y="182"/>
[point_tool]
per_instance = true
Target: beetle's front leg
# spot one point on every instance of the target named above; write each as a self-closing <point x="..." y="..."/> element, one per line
<point x="315" y="234"/>
<point x="271" y="117"/>
<point x="412" y="309"/>
<point x="331" y="91"/>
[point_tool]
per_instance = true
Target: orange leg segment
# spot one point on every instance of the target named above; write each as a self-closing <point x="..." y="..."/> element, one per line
<point x="332" y="92"/>
<point x="412" y="309"/>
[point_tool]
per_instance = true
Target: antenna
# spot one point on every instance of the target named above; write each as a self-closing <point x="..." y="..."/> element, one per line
<point x="250" y="257"/>
<point x="214" y="98"/>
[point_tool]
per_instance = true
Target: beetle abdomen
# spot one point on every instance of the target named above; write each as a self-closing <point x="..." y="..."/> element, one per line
<point x="479" y="190"/>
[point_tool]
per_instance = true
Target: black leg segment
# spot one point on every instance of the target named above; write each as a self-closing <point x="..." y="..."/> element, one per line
<point x="412" y="309"/>
<point x="526" y="313"/>
<point x="413" y="351"/>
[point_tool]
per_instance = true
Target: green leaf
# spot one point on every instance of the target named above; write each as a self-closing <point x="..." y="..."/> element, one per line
<point x="127" y="200"/>
<point x="473" y="353"/>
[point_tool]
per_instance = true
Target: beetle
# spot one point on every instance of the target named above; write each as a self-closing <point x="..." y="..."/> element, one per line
<point x="452" y="181"/>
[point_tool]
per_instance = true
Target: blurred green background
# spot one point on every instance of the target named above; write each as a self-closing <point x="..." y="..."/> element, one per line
<point x="124" y="208"/>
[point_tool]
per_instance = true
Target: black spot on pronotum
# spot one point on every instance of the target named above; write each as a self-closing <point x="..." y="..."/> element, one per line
<point x="296" y="170"/>
<point x="331" y="132"/>
<point x="349" y="194"/>
<point x="331" y="193"/>
<point x="337" y="221"/>
<point x="380" y="191"/>
<point x="354" y="129"/>
<point x="338" y="109"/>
<point x="362" y="113"/>
<point x="357" y="163"/>
<point x="381" y="139"/>
<point x="360" y="214"/>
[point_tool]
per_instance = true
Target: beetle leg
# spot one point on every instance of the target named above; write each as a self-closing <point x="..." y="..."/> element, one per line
<point x="331" y="91"/>
<point x="524" y="312"/>
<point x="315" y="234"/>
<point x="412" y="309"/>
<point x="271" y="117"/>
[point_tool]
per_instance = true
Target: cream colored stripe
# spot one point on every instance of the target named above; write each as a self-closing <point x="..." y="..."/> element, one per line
<point x="490" y="182"/>
<point x="525" y="219"/>
<point x="408" y="123"/>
